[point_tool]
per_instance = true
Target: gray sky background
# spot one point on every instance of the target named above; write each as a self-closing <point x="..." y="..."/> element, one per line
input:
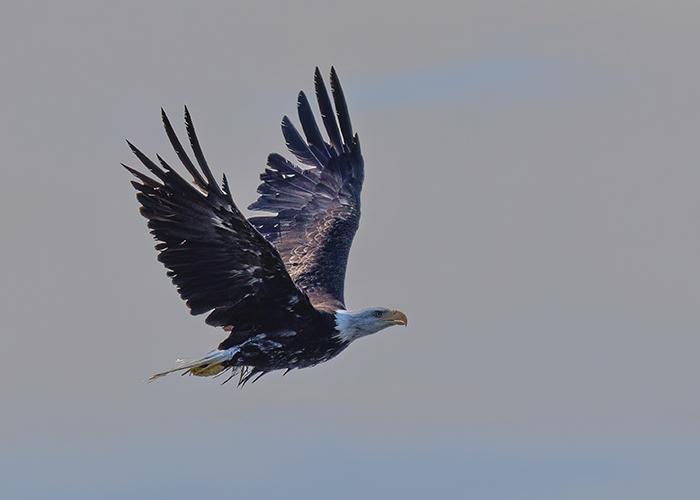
<point x="531" y="202"/>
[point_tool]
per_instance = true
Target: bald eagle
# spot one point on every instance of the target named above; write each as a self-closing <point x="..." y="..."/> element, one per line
<point x="275" y="282"/>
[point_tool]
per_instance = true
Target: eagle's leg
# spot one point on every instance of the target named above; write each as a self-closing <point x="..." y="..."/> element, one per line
<point x="211" y="364"/>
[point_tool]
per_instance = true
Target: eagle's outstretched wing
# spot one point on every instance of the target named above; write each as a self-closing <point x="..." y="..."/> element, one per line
<point x="318" y="208"/>
<point x="217" y="260"/>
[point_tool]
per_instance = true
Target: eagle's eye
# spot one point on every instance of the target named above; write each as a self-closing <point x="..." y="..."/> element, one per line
<point x="378" y="314"/>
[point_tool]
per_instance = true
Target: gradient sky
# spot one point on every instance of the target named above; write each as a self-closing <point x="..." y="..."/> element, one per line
<point x="532" y="203"/>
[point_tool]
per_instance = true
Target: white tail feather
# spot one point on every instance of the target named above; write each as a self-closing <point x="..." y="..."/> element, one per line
<point x="210" y="364"/>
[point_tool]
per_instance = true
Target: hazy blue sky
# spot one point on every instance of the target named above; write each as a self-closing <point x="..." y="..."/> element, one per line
<point x="532" y="203"/>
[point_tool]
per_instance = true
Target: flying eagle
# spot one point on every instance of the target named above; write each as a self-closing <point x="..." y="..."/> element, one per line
<point x="274" y="283"/>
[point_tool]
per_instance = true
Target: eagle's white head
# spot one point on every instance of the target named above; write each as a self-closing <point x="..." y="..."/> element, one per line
<point x="351" y="325"/>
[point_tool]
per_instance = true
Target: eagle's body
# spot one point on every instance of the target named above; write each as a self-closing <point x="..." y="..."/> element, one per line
<point x="275" y="282"/>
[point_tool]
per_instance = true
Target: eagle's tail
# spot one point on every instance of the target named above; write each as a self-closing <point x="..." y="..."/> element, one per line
<point x="211" y="364"/>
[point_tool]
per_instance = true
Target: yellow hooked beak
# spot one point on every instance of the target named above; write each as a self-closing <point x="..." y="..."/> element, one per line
<point x="397" y="318"/>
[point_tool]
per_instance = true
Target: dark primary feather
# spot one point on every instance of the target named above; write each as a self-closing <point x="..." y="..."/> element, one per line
<point x="341" y="108"/>
<point x="297" y="145"/>
<point x="218" y="261"/>
<point x="313" y="134"/>
<point x="327" y="115"/>
<point x="194" y="142"/>
<point x="318" y="209"/>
